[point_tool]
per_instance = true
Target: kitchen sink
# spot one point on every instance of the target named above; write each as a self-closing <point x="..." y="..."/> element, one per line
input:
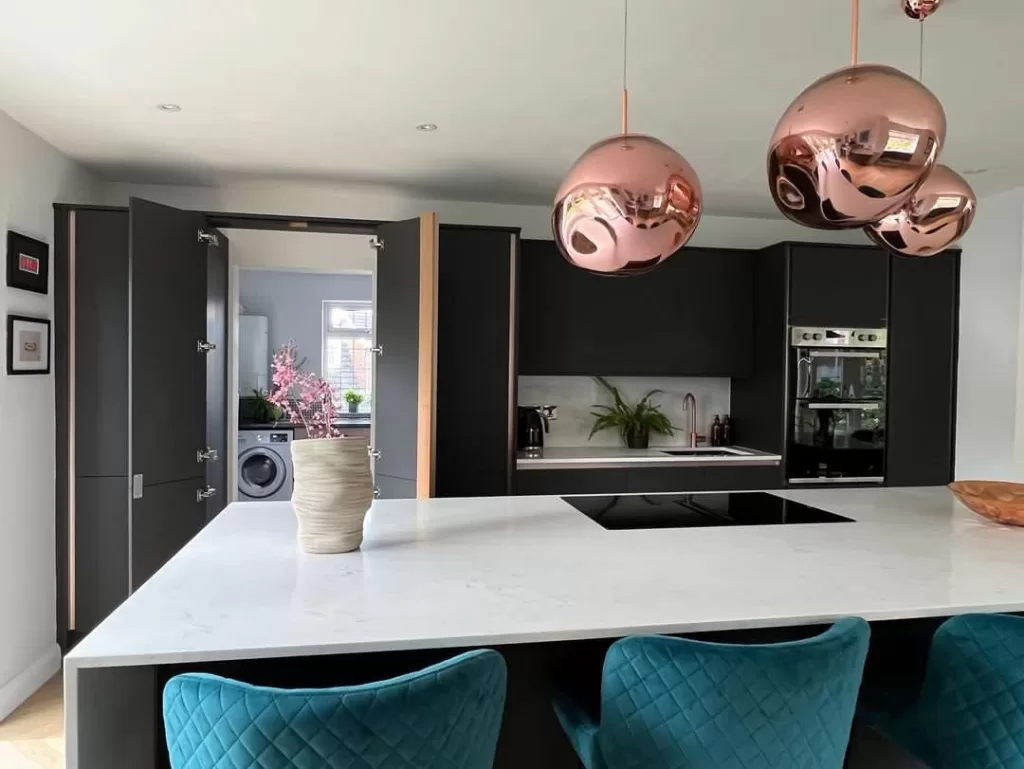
<point x="703" y="453"/>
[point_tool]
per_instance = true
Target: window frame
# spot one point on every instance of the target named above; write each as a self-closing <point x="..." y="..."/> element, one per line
<point x="327" y="332"/>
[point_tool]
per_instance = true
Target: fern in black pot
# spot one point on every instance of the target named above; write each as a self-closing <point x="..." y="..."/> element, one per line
<point x="634" y="423"/>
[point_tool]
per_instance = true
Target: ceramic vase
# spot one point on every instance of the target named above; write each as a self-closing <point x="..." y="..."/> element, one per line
<point x="333" y="490"/>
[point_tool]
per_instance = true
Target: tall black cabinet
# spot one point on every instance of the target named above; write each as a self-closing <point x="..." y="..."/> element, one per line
<point x="916" y="299"/>
<point x="141" y="397"/>
<point x="476" y="388"/>
<point x="923" y="335"/>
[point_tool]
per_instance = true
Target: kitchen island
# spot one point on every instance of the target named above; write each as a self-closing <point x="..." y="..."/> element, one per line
<point x="514" y="573"/>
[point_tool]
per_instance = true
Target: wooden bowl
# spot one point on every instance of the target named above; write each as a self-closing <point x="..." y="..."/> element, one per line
<point x="997" y="500"/>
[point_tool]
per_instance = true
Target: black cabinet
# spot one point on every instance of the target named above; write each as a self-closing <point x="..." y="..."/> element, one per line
<point x="690" y="317"/>
<point x="650" y="480"/>
<point x="543" y="482"/>
<point x="838" y="286"/>
<point x="923" y="337"/>
<point x="475" y="383"/>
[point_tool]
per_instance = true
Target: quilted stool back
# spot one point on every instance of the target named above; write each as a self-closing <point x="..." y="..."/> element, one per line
<point x="673" y="702"/>
<point x="970" y="713"/>
<point x="447" y="715"/>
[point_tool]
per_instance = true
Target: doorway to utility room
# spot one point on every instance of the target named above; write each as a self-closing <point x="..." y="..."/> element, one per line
<point x="315" y="292"/>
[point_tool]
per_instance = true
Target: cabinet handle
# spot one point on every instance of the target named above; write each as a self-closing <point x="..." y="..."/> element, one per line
<point x="204" y="494"/>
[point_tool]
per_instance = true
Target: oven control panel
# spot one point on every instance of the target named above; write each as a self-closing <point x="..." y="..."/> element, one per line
<point x="801" y="336"/>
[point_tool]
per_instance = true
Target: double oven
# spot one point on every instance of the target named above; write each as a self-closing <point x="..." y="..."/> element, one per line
<point x="837" y="406"/>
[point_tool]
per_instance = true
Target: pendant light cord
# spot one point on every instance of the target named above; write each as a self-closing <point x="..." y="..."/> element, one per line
<point x="854" y="32"/>
<point x="920" y="54"/>
<point x="625" y="57"/>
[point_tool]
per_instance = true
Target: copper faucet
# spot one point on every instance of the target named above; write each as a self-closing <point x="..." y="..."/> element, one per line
<point x="690" y="405"/>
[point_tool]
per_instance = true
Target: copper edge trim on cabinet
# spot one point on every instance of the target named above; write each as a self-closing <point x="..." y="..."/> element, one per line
<point x="427" y="367"/>
<point x="511" y="447"/>
<point x="72" y="222"/>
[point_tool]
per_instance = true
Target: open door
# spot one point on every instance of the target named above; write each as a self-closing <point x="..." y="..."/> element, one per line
<point x="217" y="402"/>
<point x="405" y="319"/>
<point x="168" y="383"/>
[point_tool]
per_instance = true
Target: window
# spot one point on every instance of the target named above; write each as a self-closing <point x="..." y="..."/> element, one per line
<point x="347" y="356"/>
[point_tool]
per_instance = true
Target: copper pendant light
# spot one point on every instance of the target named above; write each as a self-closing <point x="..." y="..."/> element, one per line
<point x="920" y="9"/>
<point x="938" y="214"/>
<point x="854" y="146"/>
<point x="628" y="203"/>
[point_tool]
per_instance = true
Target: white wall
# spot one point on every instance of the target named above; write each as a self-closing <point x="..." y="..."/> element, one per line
<point x="989" y="422"/>
<point x="576" y="395"/>
<point x="294" y="250"/>
<point x="293" y="302"/>
<point x="362" y="202"/>
<point x="33" y="175"/>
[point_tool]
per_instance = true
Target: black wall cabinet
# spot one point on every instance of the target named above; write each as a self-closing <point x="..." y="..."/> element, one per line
<point x="923" y="335"/>
<point x="838" y="286"/>
<point x="475" y="381"/>
<point x="690" y="317"/>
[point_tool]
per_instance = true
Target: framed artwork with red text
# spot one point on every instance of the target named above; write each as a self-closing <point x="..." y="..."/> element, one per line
<point x="28" y="263"/>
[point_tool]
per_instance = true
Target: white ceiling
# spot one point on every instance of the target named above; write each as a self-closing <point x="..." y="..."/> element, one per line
<point x="332" y="89"/>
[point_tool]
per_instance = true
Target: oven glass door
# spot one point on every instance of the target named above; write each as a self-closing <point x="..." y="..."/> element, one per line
<point x="838" y="430"/>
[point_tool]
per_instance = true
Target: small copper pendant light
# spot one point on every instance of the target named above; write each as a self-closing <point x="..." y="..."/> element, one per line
<point x="920" y="9"/>
<point x="628" y="203"/>
<point x="940" y="211"/>
<point x="854" y="146"/>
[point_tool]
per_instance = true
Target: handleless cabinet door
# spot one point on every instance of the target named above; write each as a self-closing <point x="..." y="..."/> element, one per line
<point x="217" y="372"/>
<point x="168" y="276"/>
<point x="405" y="325"/>
<point x="923" y="337"/>
<point x="838" y="286"/>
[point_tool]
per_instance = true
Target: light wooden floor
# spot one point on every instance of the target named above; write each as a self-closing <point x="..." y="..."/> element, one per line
<point x="32" y="737"/>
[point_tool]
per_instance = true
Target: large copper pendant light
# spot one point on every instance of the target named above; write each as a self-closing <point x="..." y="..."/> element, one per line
<point x="628" y="203"/>
<point x="940" y="211"/>
<point x="854" y="146"/>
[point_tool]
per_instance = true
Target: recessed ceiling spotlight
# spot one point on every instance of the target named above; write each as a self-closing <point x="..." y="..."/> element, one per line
<point x="427" y="127"/>
<point x="169" y="107"/>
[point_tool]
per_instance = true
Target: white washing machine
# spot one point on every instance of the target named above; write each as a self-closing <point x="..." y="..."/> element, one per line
<point x="264" y="465"/>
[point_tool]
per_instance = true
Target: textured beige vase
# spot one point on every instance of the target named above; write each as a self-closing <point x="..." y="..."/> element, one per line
<point x="333" y="491"/>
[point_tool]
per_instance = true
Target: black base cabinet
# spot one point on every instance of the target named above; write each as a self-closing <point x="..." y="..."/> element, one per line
<point x="652" y="480"/>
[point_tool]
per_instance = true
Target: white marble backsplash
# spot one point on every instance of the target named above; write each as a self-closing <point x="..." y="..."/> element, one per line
<point x="575" y="397"/>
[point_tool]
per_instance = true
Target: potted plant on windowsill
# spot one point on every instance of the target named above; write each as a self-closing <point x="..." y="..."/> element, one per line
<point x="634" y="423"/>
<point x="333" y="487"/>
<point x="353" y="399"/>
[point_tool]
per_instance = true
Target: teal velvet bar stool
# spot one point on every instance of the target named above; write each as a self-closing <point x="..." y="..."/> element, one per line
<point x="677" y="703"/>
<point x="446" y="716"/>
<point x="969" y="712"/>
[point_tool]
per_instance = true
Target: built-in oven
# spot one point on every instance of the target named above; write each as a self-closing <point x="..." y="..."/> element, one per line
<point x="837" y="406"/>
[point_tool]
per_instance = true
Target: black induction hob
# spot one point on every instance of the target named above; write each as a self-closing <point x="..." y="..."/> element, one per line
<point x="680" y="511"/>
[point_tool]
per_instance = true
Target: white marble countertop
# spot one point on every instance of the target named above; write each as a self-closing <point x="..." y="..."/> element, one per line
<point x="469" y="572"/>
<point x="598" y="457"/>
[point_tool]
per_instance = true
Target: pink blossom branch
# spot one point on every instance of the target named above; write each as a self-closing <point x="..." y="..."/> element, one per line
<point x="304" y="397"/>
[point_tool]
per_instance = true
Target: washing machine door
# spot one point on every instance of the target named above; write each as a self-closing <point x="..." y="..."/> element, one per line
<point x="261" y="472"/>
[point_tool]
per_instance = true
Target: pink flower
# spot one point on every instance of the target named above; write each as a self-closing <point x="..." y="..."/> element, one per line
<point x="304" y="397"/>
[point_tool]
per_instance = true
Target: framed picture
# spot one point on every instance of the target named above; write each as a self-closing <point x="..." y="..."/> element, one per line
<point x="28" y="263"/>
<point x="28" y="345"/>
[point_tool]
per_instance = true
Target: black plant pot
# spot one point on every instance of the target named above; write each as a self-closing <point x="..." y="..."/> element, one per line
<point x="353" y="408"/>
<point x="638" y="440"/>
